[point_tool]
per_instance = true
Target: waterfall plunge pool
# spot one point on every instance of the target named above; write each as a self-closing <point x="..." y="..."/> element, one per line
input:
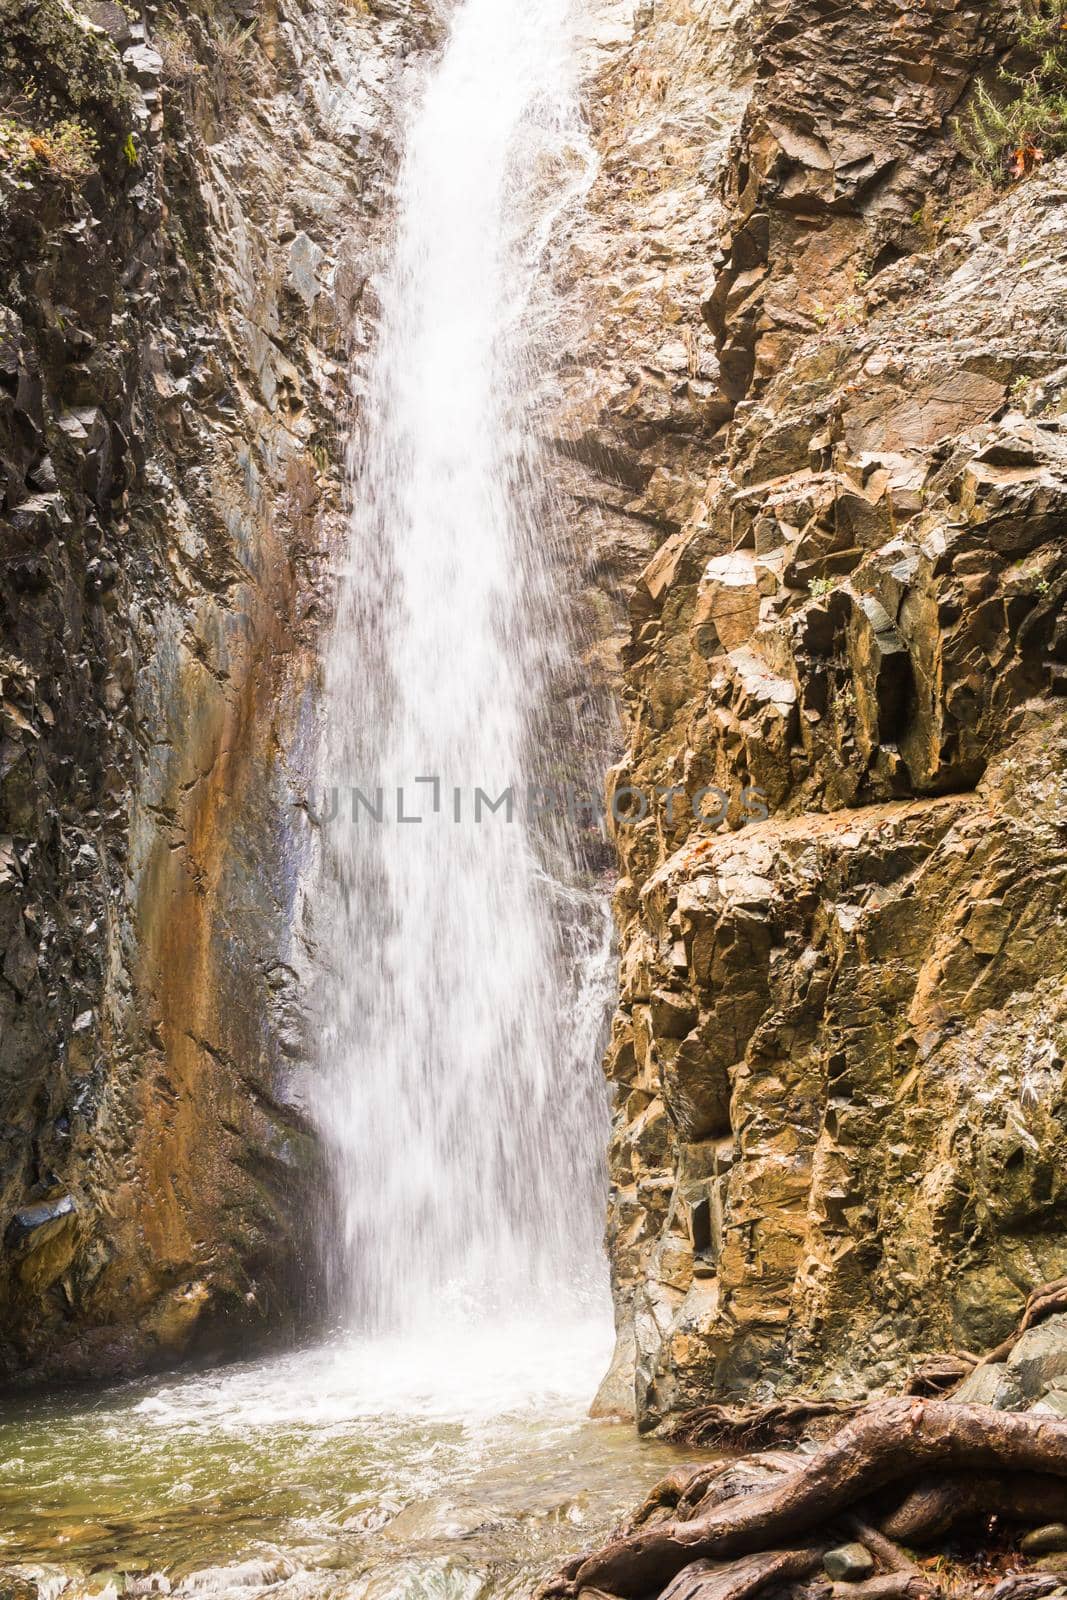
<point x="456" y="1466"/>
<point x="460" y="1096"/>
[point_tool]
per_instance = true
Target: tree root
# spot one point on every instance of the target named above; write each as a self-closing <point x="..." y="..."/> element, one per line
<point x="938" y="1505"/>
<point x="889" y="1441"/>
<point x="889" y="1555"/>
<point x="703" y="1531"/>
<point x="688" y="1484"/>
<point x="1025" y="1586"/>
<point x="1043" y="1302"/>
<point x="749" y="1427"/>
<point x="914" y="1585"/>
<point x="940" y="1375"/>
<point x="738" y="1580"/>
<point x="689" y="1489"/>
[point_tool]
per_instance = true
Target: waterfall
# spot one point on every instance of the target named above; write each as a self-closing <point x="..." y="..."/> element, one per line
<point x="468" y="952"/>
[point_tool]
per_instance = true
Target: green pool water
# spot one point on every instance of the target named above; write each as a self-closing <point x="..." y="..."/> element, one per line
<point x="461" y="1465"/>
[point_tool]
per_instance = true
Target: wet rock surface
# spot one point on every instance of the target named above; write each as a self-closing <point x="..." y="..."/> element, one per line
<point x="848" y="1563"/>
<point x="1033" y="1375"/>
<point x="179" y="307"/>
<point x="809" y="414"/>
<point x="838" y="1061"/>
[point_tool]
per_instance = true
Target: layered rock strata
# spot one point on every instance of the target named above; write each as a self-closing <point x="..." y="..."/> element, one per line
<point x="174" y="338"/>
<point x="838" y="1059"/>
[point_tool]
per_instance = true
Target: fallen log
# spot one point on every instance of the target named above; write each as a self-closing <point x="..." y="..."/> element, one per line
<point x="889" y="1441"/>
<point x="745" y="1475"/>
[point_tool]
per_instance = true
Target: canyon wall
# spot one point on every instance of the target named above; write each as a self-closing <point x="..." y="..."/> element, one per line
<point x="808" y="416"/>
<point x="815" y="438"/>
<point x="188" y="203"/>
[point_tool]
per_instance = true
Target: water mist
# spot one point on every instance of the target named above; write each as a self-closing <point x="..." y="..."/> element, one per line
<point x="461" y="1096"/>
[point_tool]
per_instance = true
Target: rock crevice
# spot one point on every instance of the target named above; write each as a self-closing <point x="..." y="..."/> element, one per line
<point x="184" y="280"/>
<point x="838" y="1059"/>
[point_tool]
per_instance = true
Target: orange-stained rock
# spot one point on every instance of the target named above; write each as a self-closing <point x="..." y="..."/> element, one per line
<point x="174" y="350"/>
<point x="852" y="1010"/>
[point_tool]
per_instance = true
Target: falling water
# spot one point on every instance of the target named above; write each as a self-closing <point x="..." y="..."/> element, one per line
<point x="461" y="1095"/>
<point x="441" y="1447"/>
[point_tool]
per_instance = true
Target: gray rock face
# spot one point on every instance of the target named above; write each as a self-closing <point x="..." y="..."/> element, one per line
<point x="638" y="399"/>
<point x="1035" y="1373"/>
<point x="175" y="332"/>
<point x="1039" y="1361"/>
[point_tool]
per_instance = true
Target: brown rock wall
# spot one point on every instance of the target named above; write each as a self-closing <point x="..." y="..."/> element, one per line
<point x="177" y="326"/>
<point x="838" y="1060"/>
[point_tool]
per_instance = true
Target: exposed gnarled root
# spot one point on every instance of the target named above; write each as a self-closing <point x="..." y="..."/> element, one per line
<point x="1043" y="1302"/>
<point x="938" y="1505"/>
<point x="749" y="1427"/>
<point x="739" y="1580"/>
<point x="890" y="1442"/>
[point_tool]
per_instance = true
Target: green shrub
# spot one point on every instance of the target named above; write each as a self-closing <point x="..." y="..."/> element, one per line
<point x="1009" y="130"/>
<point x="67" y="148"/>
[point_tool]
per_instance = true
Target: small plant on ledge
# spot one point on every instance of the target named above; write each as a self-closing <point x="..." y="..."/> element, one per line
<point x="1007" y="132"/>
<point x="67" y="148"/>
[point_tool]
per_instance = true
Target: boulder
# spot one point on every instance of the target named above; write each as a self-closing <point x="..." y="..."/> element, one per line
<point x="33" y="1226"/>
<point x="1040" y="1358"/>
<point x="727" y="611"/>
<point x="112" y="18"/>
<point x="42" y="1239"/>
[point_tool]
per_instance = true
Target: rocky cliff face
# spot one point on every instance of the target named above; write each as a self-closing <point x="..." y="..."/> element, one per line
<point x="829" y="412"/>
<point x="188" y="209"/>
<point x="809" y="417"/>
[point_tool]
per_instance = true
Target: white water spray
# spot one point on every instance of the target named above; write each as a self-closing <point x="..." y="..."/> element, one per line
<point x="462" y="1100"/>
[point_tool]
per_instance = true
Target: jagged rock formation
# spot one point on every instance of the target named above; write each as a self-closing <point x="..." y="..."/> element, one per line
<point x="839" y="1055"/>
<point x="639" y="403"/>
<point x="809" y="416"/>
<point x="174" y="335"/>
